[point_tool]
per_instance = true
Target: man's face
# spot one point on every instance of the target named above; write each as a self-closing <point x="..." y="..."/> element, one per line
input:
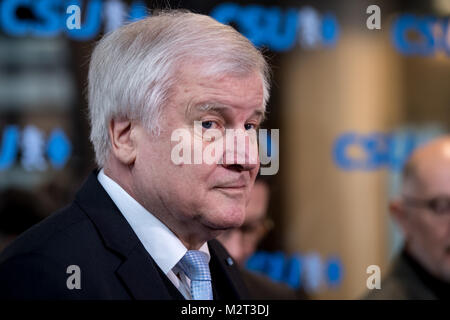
<point x="198" y="200"/>
<point x="428" y="233"/>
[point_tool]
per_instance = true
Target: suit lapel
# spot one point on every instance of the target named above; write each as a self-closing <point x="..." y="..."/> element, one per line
<point x="227" y="280"/>
<point x="140" y="275"/>
<point x="138" y="271"/>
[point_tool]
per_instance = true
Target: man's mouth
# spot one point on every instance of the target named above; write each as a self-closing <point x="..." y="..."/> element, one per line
<point x="232" y="189"/>
<point x="232" y="186"/>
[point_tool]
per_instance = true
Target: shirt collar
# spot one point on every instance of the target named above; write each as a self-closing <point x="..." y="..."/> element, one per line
<point x="159" y="241"/>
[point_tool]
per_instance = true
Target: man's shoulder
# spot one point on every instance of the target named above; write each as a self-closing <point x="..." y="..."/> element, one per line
<point x="38" y="264"/>
<point x="34" y="265"/>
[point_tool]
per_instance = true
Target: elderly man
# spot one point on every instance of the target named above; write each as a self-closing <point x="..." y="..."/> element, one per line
<point x="142" y="226"/>
<point x="422" y="271"/>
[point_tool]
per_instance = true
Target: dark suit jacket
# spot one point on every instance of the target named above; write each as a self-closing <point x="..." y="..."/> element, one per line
<point x="92" y="233"/>
<point x="408" y="280"/>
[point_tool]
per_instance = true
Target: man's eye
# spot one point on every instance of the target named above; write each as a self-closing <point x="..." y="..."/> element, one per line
<point x="249" y="126"/>
<point x="207" y="124"/>
<point x="440" y="205"/>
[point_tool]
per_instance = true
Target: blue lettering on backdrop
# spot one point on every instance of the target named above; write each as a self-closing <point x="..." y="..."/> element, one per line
<point x="50" y="18"/>
<point x="413" y="35"/>
<point x="334" y="271"/>
<point x="330" y="30"/>
<point x="33" y="147"/>
<point x="10" y="24"/>
<point x="295" y="270"/>
<point x="262" y="26"/>
<point x="52" y="22"/>
<point x="10" y="146"/>
<point x="48" y="21"/>
<point x="58" y="148"/>
<point x="137" y="11"/>
<point x="355" y="151"/>
<point x="91" y="26"/>
<point x="272" y="27"/>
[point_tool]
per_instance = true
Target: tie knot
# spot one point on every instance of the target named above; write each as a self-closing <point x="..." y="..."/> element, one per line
<point x="195" y="265"/>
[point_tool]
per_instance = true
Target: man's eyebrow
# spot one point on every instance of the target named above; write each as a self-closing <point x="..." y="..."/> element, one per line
<point x="204" y="107"/>
<point x="219" y="108"/>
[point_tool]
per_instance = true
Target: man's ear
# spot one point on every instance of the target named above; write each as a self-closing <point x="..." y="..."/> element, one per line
<point x="398" y="212"/>
<point x="123" y="144"/>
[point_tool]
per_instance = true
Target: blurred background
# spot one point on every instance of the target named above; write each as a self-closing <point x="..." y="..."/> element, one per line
<point x="350" y="103"/>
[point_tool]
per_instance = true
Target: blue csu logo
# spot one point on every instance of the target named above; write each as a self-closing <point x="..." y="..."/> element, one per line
<point x="414" y="35"/>
<point x="277" y="29"/>
<point x="373" y="151"/>
<point x="280" y="30"/>
<point x="48" y="17"/>
<point x="34" y="148"/>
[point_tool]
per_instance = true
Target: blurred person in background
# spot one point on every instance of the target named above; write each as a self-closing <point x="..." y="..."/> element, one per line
<point x="242" y="243"/>
<point x="422" y="270"/>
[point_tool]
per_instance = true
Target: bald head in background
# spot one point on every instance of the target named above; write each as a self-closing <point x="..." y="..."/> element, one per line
<point x="423" y="211"/>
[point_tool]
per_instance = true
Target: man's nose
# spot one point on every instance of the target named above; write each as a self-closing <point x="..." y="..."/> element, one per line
<point x="240" y="150"/>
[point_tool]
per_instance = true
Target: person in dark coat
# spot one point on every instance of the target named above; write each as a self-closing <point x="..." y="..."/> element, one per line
<point x="422" y="270"/>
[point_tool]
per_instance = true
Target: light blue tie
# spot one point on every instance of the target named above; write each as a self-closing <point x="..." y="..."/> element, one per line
<point x="195" y="265"/>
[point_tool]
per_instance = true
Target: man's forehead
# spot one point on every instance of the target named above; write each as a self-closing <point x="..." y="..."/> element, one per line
<point x="196" y="73"/>
<point x="429" y="165"/>
<point x="221" y="93"/>
<point x="431" y="178"/>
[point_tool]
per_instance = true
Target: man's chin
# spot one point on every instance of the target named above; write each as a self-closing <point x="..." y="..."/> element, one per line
<point x="229" y="221"/>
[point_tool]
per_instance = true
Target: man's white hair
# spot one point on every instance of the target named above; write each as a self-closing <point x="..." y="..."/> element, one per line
<point x="133" y="68"/>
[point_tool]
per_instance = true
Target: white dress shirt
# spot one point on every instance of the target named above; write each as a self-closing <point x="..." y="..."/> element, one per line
<point x="160" y="242"/>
